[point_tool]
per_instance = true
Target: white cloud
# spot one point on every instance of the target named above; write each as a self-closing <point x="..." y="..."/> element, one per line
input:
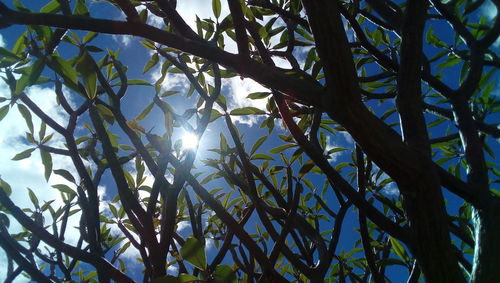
<point x="123" y="39"/>
<point x="238" y="90"/>
<point x="330" y="144"/>
<point x="489" y="10"/>
<point x="171" y="80"/>
<point x="29" y="173"/>
<point x="201" y="8"/>
<point x="391" y="190"/>
<point x="2" y="41"/>
<point x="349" y="141"/>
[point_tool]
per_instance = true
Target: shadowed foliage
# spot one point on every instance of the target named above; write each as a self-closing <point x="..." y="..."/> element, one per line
<point x="410" y="196"/>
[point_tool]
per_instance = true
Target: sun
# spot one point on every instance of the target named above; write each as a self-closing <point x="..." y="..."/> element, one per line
<point x="189" y="140"/>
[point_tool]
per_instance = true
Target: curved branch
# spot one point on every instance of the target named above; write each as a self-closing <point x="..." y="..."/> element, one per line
<point x="57" y="244"/>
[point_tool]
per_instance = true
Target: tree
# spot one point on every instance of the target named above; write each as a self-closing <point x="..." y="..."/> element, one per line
<point x="379" y="71"/>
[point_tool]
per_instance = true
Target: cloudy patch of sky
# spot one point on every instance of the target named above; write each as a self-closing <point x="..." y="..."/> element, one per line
<point x="2" y="42"/>
<point x="29" y="173"/>
<point x="235" y="89"/>
<point x="490" y="11"/>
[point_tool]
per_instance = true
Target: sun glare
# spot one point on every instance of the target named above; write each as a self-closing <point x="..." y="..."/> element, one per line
<point x="189" y="140"/>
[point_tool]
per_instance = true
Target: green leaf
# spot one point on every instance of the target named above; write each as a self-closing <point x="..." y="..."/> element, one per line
<point x="194" y="252"/>
<point x="105" y="113"/>
<point x="30" y="78"/>
<point x="214" y="115"/>
<point x="336" y="149"/>
<point x="24" y="154"/>
<point x="452" y="61"/>
<point x="221" y="100"/>
<point x="306" y="167"/>
<point x="258" y="95"/>
<point x="47" y="163"/>
<point x="149" y="45"/>
<point x="65" y="70"/>
<point x="169" y="93"/>
<point x="281" y="148"/>
<point x="43" y="129"/>
<point x="138" y="82"/>
<point x="399" y="249"/>
<point x="261" y="156"/>
<point x="144" y="112"/>
<point x="431" y="38"/>
<point x="257" y="144"/>
<point x="187" y="278"/>
<point x="81" y="9"/>
<point x="124" y="247"/>
<point x="64" y="189"/>
<point x="51" y="7"/>
<point x="247" y="111"/>
<point x="6" y="53"/>
<point x="65" y="174"/>
<point x="143" y="16"/>
<point x="391" y="261"/>
<point x="20" y="5"/>
<point x="20" y="45"/>
<point x="33" y="198"/>
<point x="166" y="279"/>
<point x="85" y="66"/>
<point x="93" y="48"/>
<point x="4" y="220"/>
<point x="3" y="111"/>
<point x="47" y="138"/>
<point x="89" y="37"/>
<point x="26" y="115"/>
<point x="310" y="58"/>
<point x="216" y="8"/>
<point x="436" y="122"/>
<point x="6" y="187"/>
<point x="7" y="62"/>
<point x="151" y="63"/>
<point x="113" y="210"/>
<point x="224" y="274"/>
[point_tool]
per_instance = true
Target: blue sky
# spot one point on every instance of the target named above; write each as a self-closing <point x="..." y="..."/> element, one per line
<point x="29" y="172"/>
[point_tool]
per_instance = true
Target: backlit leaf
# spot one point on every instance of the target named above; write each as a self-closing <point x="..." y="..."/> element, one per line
<point x="65" y="174"/>
<point x="257" y="144"/>
<point x="194" y="252"/>
<point x="24" y="154"/>
<point x="47" y="163"/>
<point x="399" y="249"/>
<point x="224" y="274"/>
<point x="306" y="167"/>
<point x="33" y="198"/>
<point x="25" y="112"/>
<point x="216" y="8"/>
<point x="247" y="111"/>
<point x="51" y="7"/>
<point x="3" y="111"/>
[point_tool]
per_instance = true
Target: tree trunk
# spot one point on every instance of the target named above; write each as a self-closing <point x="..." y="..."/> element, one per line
<point x="429" y="237"/>
<point x="486" y="265"/>
<point x="411" y="168"/>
